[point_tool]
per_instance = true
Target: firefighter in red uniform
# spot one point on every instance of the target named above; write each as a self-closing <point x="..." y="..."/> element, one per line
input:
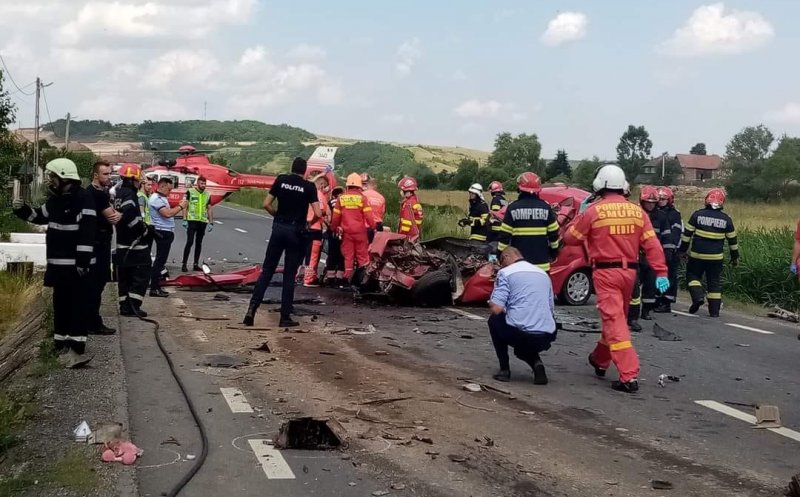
<point x="315" y="230"/>
<point x="410" y="209"/>
<point x="615" y="230"/>
<point x="351" y="215"/>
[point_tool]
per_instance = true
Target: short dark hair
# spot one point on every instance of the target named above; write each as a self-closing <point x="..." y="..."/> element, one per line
<point x="299" y="166"/>
<point x="202" y="178"/>
<point x="165" y="180"/>
<point x="98" y="165"/>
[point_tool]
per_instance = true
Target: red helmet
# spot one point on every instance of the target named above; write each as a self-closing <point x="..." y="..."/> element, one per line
<point x="407" y="184"/>
<point x="529" y="182"/>
<point x="665" y="192"/>
<point x="648" y="194"/>
<point x="496" y="187"/>
<point x="715" y="197"/>
<point x="131" y="171"/>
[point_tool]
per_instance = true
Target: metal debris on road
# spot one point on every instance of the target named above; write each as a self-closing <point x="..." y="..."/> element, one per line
<point x="466" y="336"/>
<point x="222" y="360"/>
<point x="485" y="409"/>
<point x="569" y="322"/>
<point x="325" y="352"/>
<point x="664" y="334"/>
<point x="221" y="297"/>
<point x="779" y="313"/>
<point x="381" y="352"/>
<point x="264" y="347"/>
<point x="380" y="402"/>
<point x="457" y="458"/>
<point x="398" y="486"/>
<point x="311" y="434"/>
<point x="380" y="493"/>
<point x="793" y="490"/>
<point x="768" y="417"/>
<point x="82" y="432"/>
<point x="472" y="387"/>
<point x="663" y="377"/>
<point x="423" y="439"/>
<point x="661" y="485"/>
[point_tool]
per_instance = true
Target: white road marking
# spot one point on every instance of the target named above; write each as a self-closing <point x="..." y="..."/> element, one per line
<point x="685" y="314"/>
<point x="199" y="335"/>
<point x="240" y="230"/>
<point x="218" y="222"/>
<point x="748" y="328"/>
<point x="271" y="460"/>
<point x="236" y="400"/>
<point x="747" y="418"/>
<point x="466" y="314"/>
<point x="243" y="211"/>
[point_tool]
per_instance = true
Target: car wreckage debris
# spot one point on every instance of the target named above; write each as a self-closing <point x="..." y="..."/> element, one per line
<point x="664" y="334"/>
<point x="309" y="433"/>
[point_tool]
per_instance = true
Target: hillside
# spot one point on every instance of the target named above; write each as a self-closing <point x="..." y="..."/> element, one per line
<point x="255" y="146"/>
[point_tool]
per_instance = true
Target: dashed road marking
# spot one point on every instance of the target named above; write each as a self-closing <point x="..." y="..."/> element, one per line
<point x="685" y="314"/>
<point x="243" y="211"/>
<point x="236" y="400"/>
<point x="218" y="222"/>
<point x="466" y="314"/>
<point x="748" y="328"/>
<point x="747" y="418"/>
<point x="240" y="230"/>
<point x="271" y="460"/>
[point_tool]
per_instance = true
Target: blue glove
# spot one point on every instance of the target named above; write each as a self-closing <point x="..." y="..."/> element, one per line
<point x="492" y="258"/>
<point x="793" y="268"/>
<point x="585" y="204"/>
<point x="210" y="227"/>
<point x="185" y="224"/>
<point x="662" y="284"/>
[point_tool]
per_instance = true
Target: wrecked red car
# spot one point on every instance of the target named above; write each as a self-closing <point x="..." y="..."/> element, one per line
<point x="439" y="271"/>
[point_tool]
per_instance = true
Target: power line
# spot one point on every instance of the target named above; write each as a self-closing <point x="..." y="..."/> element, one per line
<point x="47" y="108"/>
<point x="10" y="77"/>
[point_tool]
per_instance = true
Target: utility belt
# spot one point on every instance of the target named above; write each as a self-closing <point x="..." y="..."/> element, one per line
<point x="615" y="265"/>
<point x="291" y="222"/>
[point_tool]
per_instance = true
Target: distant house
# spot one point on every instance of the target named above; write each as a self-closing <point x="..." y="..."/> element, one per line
<point x="698" y="168"/>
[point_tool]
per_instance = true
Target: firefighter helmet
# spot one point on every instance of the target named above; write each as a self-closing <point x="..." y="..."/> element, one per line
<point x="609" y="177"/>
<point x="63" y="168"/>
<point x="715" y="198"/>
<point x="354" y="179"/>
<point x="476" y="188"/>
<point x="407" y="184"/>
<point x="496" y="187"/>
<point x="665" y="193"/>
<point x="131" y="171"/>
<point x="648" y="194"/>
<point x="529" y="182"/>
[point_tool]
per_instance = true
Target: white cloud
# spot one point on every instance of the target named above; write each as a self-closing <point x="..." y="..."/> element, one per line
<point x="565" y="27"/>
<point x="407" y="56"/>
<point x="788" y="114"/>
<point x="479" y="108"/>
<point x="174" y="66"/>
<point x="307" y="52"/>
<point x="711" y="30"/>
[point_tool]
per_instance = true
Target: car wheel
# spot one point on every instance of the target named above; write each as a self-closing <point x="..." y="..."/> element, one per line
<point x="577" y="288"/>
<point x="432" y="290"/>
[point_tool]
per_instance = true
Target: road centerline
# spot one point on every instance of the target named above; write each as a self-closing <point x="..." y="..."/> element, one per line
<point x="240" y="230"/>
<point x="271" y="460"/>
<point x="681" y="313"/>
<point x="749" y="328"/>
<point x="236" y="400"/>
<point x="747" y="418"/>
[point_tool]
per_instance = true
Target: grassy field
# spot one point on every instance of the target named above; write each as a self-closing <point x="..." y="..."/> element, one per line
<point x="15" y="294"/>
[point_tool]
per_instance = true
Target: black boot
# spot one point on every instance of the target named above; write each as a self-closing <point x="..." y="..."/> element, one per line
<point x="695" y="307"/>
<point x="598" y="371"/>
<point x="138" y="311"/>
<point x="627" y="387"/>
<point x="250" y="315"/>
<point x="503" y="375"/>
<point x="287" y="322"/>
<point x="634" y="326"/>
<point x="125" y="308"/>
<point x="539" y="373"/>
<point x="646" y="308"/>
<point x="714" y="306"/>
<point x="663" y="307"/>
<point x="184" y="269"/>
<point x="197" y="268"/>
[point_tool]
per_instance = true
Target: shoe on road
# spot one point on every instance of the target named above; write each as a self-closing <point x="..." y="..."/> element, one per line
<point x="539" y="374"/>
<point x="287" y="323"/>
<point x="312" y="284"/>
<point x="102" y="330"/>
<point x="626" y="387"/>
<point x="184" y="269"/>
<point x="503" y="375"/>
<point x="634" y="326"/>
<point x="598" y="371"/>
<point x="695" y="307"/>
<point x="663" y="309"/>
<point x="197" y="268"/>
<point x="74" y="360"/>
<point x="248" y="320"/>
<point x="159" y="292"/>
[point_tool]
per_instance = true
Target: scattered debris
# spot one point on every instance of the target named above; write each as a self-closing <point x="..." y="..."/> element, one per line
<point x="222" y="297"/>
<point x="191" y="457"/>
<point x="325" y="352"/>
<point x="398" y="486"/>
<point x="82" y="432"/>
<point x="466" y="336"/>
<point x="742" y="344"/>
<point x="381" y="352"/>
<point x="569" y="322"/>
<point x="106" y="433"/>
<point x="423" y="439"/>
<point x="171" y="441"/>
<point x="528" y="413"/>
<point x="204" y="318"/>
<point x="472" y="387"/>
<point x="380" y="402"/>
<point x="661" y="485"/>
<point x="458" y="401"/>
<point x="264" y="347"/>
<point x="379" y="493"/>
<point x="785" y="315"/>
<point x="339" y="375"/>
<point x="793" y="490"/>
<point x="664" y="334"/>
<point x="122" y="451"/>
<point x="663" y="377"/>
<point x="249" y="328"/>
<point x="768" y="417"/>
<point x="222" y="360"/>
<point x="611" y="482"/>
<point x="457" y="458"/>
<point x="311" y="434"/>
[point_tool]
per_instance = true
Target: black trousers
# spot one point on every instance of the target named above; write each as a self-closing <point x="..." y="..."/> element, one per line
<point x="526" y="345"/>
<point x="673" y="265"/>
<point x="99" y="275"/>
<point x="635" y="304"/>
<point x="712" y="270"/>
<point x="647" y="278"/>
<point x="163" y="241"/>
<point x="71" y="304"/>
<point x="132" y="283"/>
<point x="195" y="232"/>
<point x="371" y="232"/>
<point x="335" y="260"/>
<point x="288" y="241"/>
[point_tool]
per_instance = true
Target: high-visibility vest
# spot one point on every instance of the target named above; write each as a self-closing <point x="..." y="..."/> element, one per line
<point x="198" y="205"/>
<point x="143" y="204"/>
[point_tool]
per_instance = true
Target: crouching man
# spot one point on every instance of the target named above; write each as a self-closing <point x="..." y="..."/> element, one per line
<point x="522" y="314"/>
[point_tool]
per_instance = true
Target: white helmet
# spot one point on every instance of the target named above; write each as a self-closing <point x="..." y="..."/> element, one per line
<point x="476" y="188"/>
<point x="609" y="177"/>
<point x="63" y="168"/>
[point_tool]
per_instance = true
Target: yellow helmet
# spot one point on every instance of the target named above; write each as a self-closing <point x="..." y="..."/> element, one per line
<point x="63" y="168"/>
<point x="354" y="179"/>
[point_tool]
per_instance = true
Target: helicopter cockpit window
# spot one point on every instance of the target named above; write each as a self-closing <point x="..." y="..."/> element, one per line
<point x="190" y="180"/>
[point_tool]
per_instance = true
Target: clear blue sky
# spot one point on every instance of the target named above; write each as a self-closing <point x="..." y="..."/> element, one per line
<point x="456" y="73"/>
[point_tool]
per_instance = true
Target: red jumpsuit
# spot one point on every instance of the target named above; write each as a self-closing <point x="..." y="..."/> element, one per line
<point x="310" y="276"/>
<point x="615" y="230"/>
<point x="351" y="214"/>
<point x="410" y="218"/>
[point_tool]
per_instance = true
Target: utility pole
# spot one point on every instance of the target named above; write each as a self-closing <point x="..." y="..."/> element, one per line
<point x="663" y="164"/>
<point x="205" y="110"/>
<point x="36" y="178"/>
<point x="66" y="134"/>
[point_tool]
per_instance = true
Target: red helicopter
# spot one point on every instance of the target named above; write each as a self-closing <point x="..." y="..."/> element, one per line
<point x="221" y="180"/>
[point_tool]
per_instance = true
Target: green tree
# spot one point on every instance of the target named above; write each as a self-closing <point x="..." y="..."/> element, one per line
<point x="584" y="173"/>
<point x="750" y="145"/>
<point x="633" y="150"/>
<point x="559" y="167"/>
<point x="516" y="154"/>
<point x="698" y="149"/>
<point x="466" y="174"/>
<point x="12" y="156"/>
<point x="746" y="162"/>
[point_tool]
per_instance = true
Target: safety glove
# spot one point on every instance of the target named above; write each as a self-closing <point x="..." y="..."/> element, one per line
<point x="185" y="224"/>
<point x="662" y="284"/>
<point x="210" y="227"/>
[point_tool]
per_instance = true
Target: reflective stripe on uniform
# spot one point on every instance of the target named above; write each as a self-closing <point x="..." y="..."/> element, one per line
<point x="710" y="235"/>
<point x="732" y="234"/>
<point x="416" y="206"/>
<point x="617" y="222"/>
<point x="479" y="238"/>
<point x="648" y="301"/>
<point x="84" y="248"/>
<point x="136" y="296"/>
<point x="714" y="295"/>
<point x="127" y="202"/>
<point x="553" y="227"/>
<point x="406" y="222"/>
<point x="529" y="231"/>
<point x="636" y="301"/>
<point x="506" y="228"/>
<point x="134" y="222"/>
<point x="33" y="215"/>
<point x="694" y="283"/>
<point x="706" y="257"/>
<point x="574" y="232"/>
<point x="43" y="208"/>
<point x="89" y="212"/>
<point x="545" y="266"/>
<point x="648" y="234"/>
<point x="61" y="262"/>
<point x="501" y="246"/>
<point x="63" y="227"/>
<point x="620" y="346"/>
<point x="70" y="338"/>
<point x="669" y="246"/>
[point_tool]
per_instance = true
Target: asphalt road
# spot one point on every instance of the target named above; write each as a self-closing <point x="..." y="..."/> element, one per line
<point x="724" y="365"/>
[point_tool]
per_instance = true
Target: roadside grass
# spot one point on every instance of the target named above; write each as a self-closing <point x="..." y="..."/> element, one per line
<point x="16" y="407"/>
<point x="16" y="292"/>
<point x="73" y="472"/>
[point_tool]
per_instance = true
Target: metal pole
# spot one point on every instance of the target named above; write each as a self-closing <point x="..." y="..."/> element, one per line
<point x="663" y="162"/>
<point x="36" y="137"/>
<point x="66" y="134"/>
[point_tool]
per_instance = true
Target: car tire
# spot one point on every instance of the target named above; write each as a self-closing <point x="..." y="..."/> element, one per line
<point x="577" y="289"/>
<point x="432" y="290"/>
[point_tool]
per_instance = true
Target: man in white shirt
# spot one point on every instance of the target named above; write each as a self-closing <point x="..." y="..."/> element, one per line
<point x="522" y="314"/>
